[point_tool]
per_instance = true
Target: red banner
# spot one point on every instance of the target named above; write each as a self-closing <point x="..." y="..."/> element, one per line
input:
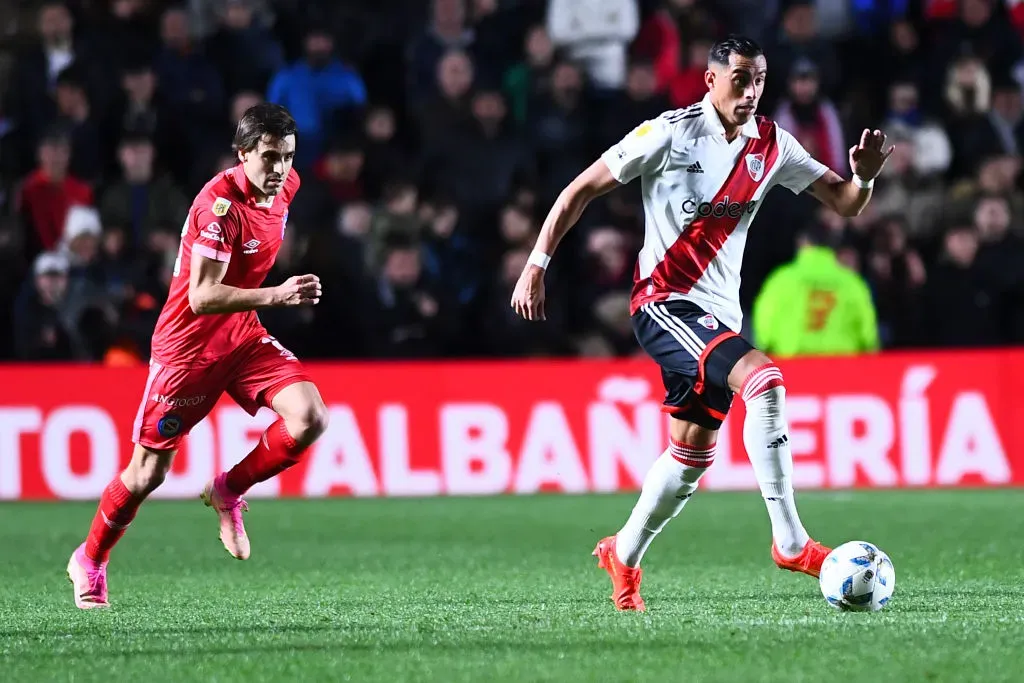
<point x="424" y="429"/>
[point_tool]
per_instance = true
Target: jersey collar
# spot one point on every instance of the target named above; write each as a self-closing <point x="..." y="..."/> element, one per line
<point x="714" y="121"/>
<point x="237" y="175"/>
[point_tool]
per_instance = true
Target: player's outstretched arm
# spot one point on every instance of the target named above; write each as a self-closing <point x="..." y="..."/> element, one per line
<point x="207" y="293"/>
<point x="849" y="197"/>
<point x="528" y="297"/>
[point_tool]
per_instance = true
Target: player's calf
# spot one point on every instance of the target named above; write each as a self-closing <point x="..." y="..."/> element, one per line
<point x="761" y="386"/>
<point x="303" y="419"/>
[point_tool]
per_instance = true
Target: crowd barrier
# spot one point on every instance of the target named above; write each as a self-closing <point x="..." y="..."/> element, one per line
<point x="943" y="419"/>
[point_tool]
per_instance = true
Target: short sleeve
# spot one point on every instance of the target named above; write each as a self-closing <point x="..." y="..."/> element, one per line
<point x="215" y="234"/>
<point x="798" y="169"/>
<point x="642" y="151"/>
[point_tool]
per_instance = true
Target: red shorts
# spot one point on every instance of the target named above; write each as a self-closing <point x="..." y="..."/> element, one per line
<point x="177" y="399"/>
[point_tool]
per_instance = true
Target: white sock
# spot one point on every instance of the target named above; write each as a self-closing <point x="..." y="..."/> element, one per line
<point x="765" y="435"/>
<point x="668" y="485"/>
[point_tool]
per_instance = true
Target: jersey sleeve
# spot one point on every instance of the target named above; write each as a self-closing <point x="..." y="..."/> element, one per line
<point x="217" y="230"/>
<point x="642" y="151"/>
<point x="798" y="168"/>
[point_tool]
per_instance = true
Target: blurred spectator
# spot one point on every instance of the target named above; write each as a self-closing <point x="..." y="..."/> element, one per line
<point x="968" y="96"/>
<point x="386" y="155"/>
<point x="411" y="318"/>
<point x="687" y="85"/>
<point x="448" y="255"/>
<point x="797" y="40"/>
<point x="595" y="34"/>
<point x="1000" y="254"/>
<point x="639" y="101"/>
<point x="191" y="85"/>
<point x="47" y="193"/>
<point x="316" y="90"/>
<point x="40" y="332"/>
<point x="245" y="52"/>
<point x="480" y="169"/>
<point x="928" y="145"/>
<point x="983" y="30"/>
<point x="958" y="304"/>
<point x="448" y="32"/>
<point x="906" y="187"/>
<point x="504" y="333"/>
<point x="142" y="202"/>
<point x="395" y="219"/>
<point x="658" y="43"/>
<point x="561" y="136"/>
<point x="340" y="169"/>
<point x="896" y="274"/>
<point x="815" y="305"/>
<point x="443" y="114"/>
<point x="29" y="98"/>
<point x="811" y="118"/>
<point x="141" y="110"/>
<point x="76" y="115"/>
<point x="531" y="77"/>
<point x="124" y="35"/>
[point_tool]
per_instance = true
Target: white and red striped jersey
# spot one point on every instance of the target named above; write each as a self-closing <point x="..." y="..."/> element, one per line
<point x="701" y="193"/>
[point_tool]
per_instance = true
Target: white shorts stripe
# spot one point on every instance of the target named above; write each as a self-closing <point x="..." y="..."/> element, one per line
<point x="655" y="315"/>
<point x="682" y="327"/>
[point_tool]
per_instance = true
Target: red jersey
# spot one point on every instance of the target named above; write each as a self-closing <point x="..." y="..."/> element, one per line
<point x="227" y="224"/>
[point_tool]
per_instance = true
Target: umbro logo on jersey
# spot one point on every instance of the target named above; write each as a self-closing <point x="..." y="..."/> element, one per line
<point x="250" y="246"/>
<point x="694" y="168"/>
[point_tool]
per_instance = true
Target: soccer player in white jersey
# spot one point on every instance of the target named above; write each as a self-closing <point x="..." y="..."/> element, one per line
<point x="704" y="171"/>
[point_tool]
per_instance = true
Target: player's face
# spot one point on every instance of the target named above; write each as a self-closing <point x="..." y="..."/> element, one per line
<point x="268" y="165"/>
<point x="736" y="89"/>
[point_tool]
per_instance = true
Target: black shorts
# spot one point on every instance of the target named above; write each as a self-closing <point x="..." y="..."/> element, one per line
<point x="696" y="353"/>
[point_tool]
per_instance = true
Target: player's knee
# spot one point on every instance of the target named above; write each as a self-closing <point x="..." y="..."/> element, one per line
<point x="147" y="471"/>
<point x="764" y="383"/>
<point x="309" y="423"/>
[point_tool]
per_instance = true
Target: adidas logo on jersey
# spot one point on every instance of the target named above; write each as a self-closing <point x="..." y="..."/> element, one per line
<point x="694" y="168"/>
<point x="779" y="442"/>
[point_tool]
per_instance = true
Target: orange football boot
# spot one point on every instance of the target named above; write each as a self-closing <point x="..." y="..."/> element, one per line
<point x="809" y="560"/>
<point x="625" y="580"/>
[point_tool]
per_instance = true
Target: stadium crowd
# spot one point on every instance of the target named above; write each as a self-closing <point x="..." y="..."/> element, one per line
<point x="435" y="135"/>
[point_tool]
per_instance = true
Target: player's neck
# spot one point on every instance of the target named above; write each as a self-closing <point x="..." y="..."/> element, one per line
<point x="732" y="130"/>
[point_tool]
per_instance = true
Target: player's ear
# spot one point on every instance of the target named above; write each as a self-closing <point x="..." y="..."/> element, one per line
<point x="709" y="79"/>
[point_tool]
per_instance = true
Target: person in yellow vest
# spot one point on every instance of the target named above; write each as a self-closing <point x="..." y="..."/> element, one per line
<point x="814" y="305"/>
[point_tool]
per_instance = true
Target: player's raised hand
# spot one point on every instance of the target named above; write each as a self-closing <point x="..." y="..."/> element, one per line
<point x="868" y="157"/>
<point x="300" y="290"/>
<point x="528" y="297"/>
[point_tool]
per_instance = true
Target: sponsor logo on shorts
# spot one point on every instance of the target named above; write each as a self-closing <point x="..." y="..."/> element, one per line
<point x="709" y="321"/>
<point x="719" y="209"/>
<point x="177" y="401"/>
<point x="251" y="247"/>
<point x="169" y="425"/>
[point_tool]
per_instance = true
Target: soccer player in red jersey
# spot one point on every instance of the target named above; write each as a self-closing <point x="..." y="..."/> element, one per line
<point x="209" y="340"/>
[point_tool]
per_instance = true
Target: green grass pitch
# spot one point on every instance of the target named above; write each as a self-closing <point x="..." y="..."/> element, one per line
<point x="504" y="589"/>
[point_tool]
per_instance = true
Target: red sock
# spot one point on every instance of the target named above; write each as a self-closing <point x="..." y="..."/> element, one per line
<point x="115" y="512"/>
<point x="275" y="452"/>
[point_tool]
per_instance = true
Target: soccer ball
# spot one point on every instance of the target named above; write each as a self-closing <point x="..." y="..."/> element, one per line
<point x="857" y="577"/>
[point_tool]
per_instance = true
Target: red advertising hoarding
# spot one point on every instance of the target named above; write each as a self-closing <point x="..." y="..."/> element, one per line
<point x="424" y="429"/>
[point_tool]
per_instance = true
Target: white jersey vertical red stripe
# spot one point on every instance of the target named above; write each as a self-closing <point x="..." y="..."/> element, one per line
<point x="701" y="192"/>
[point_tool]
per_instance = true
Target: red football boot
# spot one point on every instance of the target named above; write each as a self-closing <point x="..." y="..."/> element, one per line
<point x="625" y="580"/>
<point x="809" y="560"/>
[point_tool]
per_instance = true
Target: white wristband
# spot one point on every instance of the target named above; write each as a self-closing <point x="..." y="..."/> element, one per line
<point x="539" y="259"/>
<point x="863" y="184"/>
